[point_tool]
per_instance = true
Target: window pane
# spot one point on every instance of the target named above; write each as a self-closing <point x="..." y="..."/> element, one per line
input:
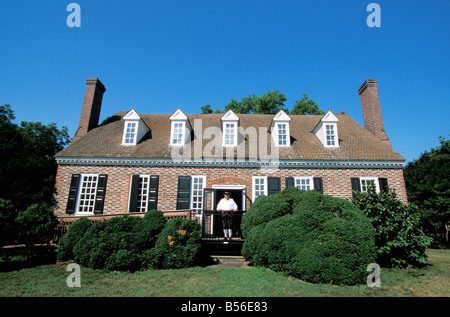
<point x="87" y="193"/>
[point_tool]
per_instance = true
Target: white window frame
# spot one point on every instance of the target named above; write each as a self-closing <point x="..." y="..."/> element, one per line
<point x="285" y="134"/>
<point x="130" y="133"/>
<point x="93" y="194"/>
<point x="299" y="179"/>
<point x="230" y="131"/>
<point x="254" y="190"/>
<point x="142" y="198"/>
<point x="329" y="119"/>
<point x="199" y="194"/>
<point x="363" y="183"/>
<point x="133" y="134"/>
<point x="182" y="127"/>
<point x="281" y="118"/>
<point x="331" y="135"/>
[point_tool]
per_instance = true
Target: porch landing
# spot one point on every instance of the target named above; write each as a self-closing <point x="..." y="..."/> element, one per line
<point x="222" y="246"/>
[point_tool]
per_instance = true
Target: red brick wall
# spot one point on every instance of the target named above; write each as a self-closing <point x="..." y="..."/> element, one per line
<point x="371" y="108"/>
<point x="336" y="182"/>
<point x="92" y="104"/>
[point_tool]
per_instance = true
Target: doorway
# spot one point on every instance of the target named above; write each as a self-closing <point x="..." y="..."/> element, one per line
<point x="235" y="194"/>
<point x="212" y="220"/>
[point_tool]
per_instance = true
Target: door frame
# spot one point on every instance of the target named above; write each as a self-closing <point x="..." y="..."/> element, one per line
<point x="243" y="188"/>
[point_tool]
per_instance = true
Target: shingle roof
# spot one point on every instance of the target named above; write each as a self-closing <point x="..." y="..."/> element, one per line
<point x="355" y="142"/>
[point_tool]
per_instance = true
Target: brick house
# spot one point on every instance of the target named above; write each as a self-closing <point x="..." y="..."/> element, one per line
<point x="135" y="162"/>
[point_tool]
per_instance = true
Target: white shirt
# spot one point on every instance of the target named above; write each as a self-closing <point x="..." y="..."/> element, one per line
<point x="227" y="205"/>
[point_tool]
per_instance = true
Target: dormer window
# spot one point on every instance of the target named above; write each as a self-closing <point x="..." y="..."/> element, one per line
<point x="230" y="134"/>
<point x="134" y="128"/>
<point x="280" y="129"/>
<point x="282" y="133"/>
<point x="330" y="135"/>
<point x="326" y="130"/>
<point x="230" y="124"/>
<point x="177" y="137"/>
<point x="130" y="134"/>
<point x="180" y="129"/>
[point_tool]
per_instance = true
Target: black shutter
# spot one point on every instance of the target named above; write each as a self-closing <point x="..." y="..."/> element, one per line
<point x="73" y="194"/>
<point x="383" y="182"/>
<point x="100" y="196"/>
<point x="273" y="185"/>
<point x="133" y="193"/>
<point x="184" y="192"/>
<point x="318" y="184"/>
<point x="289" y="182"/>
<point x="356" y="185"/>
<point x="153" y="192"/>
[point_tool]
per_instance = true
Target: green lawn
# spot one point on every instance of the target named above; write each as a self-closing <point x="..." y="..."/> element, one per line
<point x="50" y="280"/>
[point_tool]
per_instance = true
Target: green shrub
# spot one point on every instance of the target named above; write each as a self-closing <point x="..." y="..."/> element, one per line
<point x="119" y="243"/>
<point x="8" y="226"/>
<point x="270" y="244"/>
<point x="293" y="196"/>
<point x="178" y="245"/>
<point x="398" y="241"/>
<point x="67" y="242"/>
<point x="265" y="209"/>
<point x="37" y="224"/>
<point x="337" y="253"/>
<point x="324" y="240"/>
<point x="153" y="223"/>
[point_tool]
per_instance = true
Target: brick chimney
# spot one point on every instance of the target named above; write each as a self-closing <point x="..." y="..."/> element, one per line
<point x="92" y="104"/>
<point x="370" y="102"/>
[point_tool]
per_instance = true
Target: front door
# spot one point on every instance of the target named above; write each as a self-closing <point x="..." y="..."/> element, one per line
<point x="212" y="220"/>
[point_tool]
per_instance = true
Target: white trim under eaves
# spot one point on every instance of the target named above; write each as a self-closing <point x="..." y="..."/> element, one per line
<point x="229" y="164"/>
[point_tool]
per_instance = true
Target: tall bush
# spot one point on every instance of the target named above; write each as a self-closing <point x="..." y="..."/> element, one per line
<point x="321" y="240"/>
<point x="178" y="245"/>
<point x="69" y="240"/>
<point x="36" y="224"/>
<point x="263" y="210"/>
<point x="8" y="225"/>
<point x="119" y="243"/>
<point x="398" y="241"/>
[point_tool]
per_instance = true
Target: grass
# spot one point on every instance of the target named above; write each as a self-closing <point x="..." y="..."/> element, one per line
<point x="214" y="281"/>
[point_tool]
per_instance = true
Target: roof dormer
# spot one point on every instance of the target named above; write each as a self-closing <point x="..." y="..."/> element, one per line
<point x="280" y="129"/>
<point x="134" y="128"/>
<point x="326" y="130"/>
<point x="180" y="131"/>
<point x="230" y="124"/>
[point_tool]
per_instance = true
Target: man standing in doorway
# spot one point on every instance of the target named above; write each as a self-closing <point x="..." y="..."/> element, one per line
<point x="227" y="206"/>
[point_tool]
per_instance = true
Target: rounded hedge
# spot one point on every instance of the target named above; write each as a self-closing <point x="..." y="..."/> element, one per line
<point x="119" y="243"/>
<point x="263" y="210"/>
<point x="323" y="239"/>
<point x="178" y="245"/>
<point x="67" y="242"/>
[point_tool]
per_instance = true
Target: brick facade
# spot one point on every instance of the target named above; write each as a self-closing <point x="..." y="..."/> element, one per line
<point x="336" y="182"/>
<point x="100" y="150"/>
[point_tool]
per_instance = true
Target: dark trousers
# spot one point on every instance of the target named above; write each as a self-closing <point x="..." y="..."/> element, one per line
<point x="227" y="219"/>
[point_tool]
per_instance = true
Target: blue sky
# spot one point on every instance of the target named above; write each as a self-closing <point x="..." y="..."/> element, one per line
<point x="157" y="56"/>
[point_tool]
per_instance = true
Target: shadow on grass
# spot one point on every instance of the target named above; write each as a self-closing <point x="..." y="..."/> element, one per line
<point x="18" y="258"/>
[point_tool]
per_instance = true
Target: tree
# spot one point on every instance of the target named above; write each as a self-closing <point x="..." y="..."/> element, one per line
<point x="27" y="173"/>
<point x="398" y="241"/>
<point x="8" y="225"/>
<point x="269" y="103"/>
<point x="306" y="106"/>
<point x="36" y="225"/>
<point x="206" y="109"/>
<point x="427" y="182"/>
<point x="27" y="161"/>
